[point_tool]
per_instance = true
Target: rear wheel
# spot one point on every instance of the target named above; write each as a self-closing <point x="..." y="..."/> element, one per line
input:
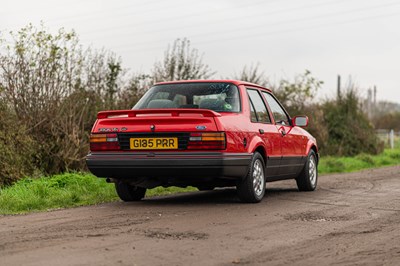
<point x="307" y="180"/>
<point x="128" y="192"/>
<point x="252" y="188"/>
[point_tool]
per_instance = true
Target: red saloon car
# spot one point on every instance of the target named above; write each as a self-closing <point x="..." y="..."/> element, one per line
<point x="203" y="133"/>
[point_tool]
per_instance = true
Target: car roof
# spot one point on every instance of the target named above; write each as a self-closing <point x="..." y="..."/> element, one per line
<point x="233" y="81"/>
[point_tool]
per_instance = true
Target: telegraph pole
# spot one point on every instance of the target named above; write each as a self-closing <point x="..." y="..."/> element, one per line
<point x="369" y="103"/>
<point x="338" y="87"/>
<point x="374" y="109"/>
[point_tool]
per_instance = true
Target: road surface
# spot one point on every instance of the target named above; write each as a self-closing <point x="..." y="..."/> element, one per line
<point x="352" y="219"/>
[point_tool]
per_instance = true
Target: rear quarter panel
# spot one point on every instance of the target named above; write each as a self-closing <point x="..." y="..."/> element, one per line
<point x="233" y="124"/>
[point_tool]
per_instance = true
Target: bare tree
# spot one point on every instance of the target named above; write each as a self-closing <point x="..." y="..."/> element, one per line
<point x="38" y="71"/>
<point x="297" y="94"/>
<point x="136" y="86"/>
<point x="252" y="74"/>
<point x="181" y="62"/>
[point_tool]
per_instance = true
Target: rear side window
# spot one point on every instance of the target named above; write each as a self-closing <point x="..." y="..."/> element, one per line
<point x="253" y="113"/>
<point x="279" y="114"/>
<point x="258" y="109"/>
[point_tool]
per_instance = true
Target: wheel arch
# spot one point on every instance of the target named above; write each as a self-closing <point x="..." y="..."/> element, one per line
<point x="315" y="149"/>
<point x="312" y="145"/>
<point x="261" y="150"/>
<point x="257" y="144"/>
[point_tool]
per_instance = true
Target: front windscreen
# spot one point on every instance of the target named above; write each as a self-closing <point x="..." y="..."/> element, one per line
<point x="217" y="96"/>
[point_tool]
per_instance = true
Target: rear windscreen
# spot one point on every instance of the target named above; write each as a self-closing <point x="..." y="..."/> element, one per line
<point x="216" y="96"/>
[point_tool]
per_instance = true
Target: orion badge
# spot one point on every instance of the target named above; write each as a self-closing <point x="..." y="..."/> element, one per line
<point x="201" y="127"/>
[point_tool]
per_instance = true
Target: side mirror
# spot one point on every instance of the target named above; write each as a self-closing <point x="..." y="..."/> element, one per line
<point x="300" y="121"/>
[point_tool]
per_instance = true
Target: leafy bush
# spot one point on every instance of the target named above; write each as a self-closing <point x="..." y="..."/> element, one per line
<point x="17" y="148"/>
<point x="55" y="88"/>
<point x="387" y="121"/>
<point x="349" y="130"/>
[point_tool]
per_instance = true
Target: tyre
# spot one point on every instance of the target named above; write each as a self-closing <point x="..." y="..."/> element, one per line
<point x="252" y="188"/>
<point x="308" y="178"/>
<point x="127" y="192"/>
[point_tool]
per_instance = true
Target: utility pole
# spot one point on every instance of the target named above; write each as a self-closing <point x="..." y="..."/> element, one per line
<point x="369" y="103"/>
<point x="338" y="87"/>
<point x="374" y="109"/>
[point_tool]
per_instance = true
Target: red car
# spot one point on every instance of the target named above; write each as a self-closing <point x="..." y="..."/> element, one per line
<point x="203" y="133"/>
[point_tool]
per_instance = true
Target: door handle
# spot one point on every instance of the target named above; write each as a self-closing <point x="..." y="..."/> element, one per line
<point x="261" y="131"/>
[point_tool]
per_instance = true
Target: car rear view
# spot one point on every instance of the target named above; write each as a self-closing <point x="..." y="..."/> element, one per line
<point x="206" y="134"/>
<point x="172" y="136"/>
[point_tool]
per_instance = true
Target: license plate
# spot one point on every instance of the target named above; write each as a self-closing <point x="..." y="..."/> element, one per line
<point x="153" y="143"/>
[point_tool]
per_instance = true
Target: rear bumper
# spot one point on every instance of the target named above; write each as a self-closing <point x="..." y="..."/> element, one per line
<point x="167" y="164"/>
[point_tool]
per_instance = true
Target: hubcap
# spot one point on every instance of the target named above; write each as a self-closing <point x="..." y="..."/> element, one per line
<point x="312" y="170"/>
<point x="258" y="178"/>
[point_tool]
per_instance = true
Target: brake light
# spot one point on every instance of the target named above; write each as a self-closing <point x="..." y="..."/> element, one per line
<point x="104" y="142"/>
<point x="207" y="140"/>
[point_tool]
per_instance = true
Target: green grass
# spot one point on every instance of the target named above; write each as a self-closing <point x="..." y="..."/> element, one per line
<point x="62" y="191"/>
<point x="359" y="162"/>
<point x="79" y="189"/>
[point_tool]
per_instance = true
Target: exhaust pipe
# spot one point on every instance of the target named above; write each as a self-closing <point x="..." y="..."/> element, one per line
<point x="110" y="180"/>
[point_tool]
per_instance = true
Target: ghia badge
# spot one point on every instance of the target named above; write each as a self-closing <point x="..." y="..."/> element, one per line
<point x="114" y="129"/>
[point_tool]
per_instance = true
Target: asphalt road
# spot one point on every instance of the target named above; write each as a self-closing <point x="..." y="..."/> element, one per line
<point x="352" y="219"/>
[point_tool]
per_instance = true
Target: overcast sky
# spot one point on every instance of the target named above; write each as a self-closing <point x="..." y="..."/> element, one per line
<point x="357" y="38"/>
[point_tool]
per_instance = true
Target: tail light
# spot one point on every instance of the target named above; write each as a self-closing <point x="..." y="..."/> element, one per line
<point x="104" y="142"/>
<point x="207" y="141"/>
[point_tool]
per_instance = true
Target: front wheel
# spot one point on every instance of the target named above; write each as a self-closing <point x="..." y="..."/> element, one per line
<point x="252" y="188"/>
<point x="128" y="192"/>
<point x="307" y="179"/>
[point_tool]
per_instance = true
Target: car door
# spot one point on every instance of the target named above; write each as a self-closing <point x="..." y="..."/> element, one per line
<point x="291" y="140"/>
<point x="262" y="126"/>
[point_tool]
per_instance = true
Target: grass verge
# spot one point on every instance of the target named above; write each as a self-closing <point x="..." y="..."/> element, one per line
<point x="359" y="162"/>
<point x="62" y="191"/>
<point x="79" y="189"/>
